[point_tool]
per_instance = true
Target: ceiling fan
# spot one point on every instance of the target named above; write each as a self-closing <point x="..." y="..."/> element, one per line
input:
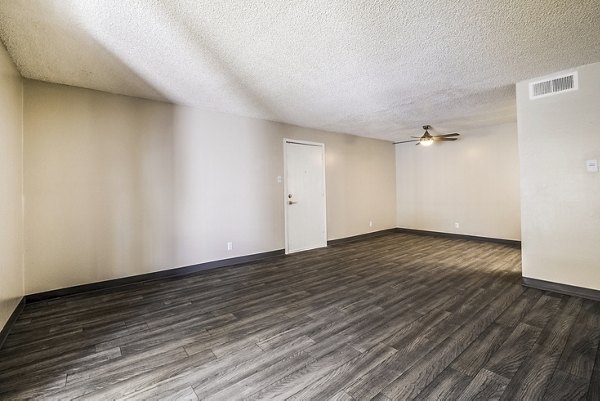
<point x="427" y="139"/>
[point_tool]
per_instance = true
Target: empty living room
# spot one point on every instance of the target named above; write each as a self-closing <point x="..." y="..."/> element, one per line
<point x="312" y="200"/>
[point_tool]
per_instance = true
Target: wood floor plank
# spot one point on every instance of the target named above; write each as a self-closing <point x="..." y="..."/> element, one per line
<point x="542" y="311"/>
<point x="532" y="378"/>
<point x="398" y="316"/>
<point x="395" y="321"/>
<point x="205" y="388"/>
<point x="511" y="354"/>
<point x="70" y="362"/>
<point x="485" y="386"/>
<point x="127" y="365"/>
<point x="448" y="385"/>
<point x="593" y="392"/>
<point x="370" y="386"/>
<point x="295" y="382"/>
<point x="573" y="374"/>
<point x="245" y="388"/>
<point x="142" y="381"/>
<point x="10" y="359"/>
<point x="36" y="389"/>
<point x="338" y="379"/>
<point x="515" y="314"/>
<point x="564" y="386"/>
<point x="578" y="356"/>
<point x="480" y="351"/>
<point x="414" y="380"/>
<point x="341" y="396"/>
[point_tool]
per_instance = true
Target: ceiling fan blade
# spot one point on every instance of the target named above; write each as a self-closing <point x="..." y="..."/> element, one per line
<point x="446" y="135"/>
<point x="418" y="143"/>
<point x="416" y="137"/>
<point x="411" y="140"/>
<point x="438" y="139"/>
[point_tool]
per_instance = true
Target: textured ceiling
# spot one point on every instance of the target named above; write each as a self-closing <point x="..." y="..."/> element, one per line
<point x="372" y="68"/>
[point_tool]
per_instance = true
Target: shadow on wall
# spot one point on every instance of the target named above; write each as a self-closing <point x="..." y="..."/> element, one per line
<point x="114" y="159"/>
<point x="138" y="186"/>
<point x="226" y="170"/>
<point x="100" y="183"/>
<point x="118" y="186"/>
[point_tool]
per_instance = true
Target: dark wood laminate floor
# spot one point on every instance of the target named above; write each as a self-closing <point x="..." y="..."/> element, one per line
<point x="395" y="317"/>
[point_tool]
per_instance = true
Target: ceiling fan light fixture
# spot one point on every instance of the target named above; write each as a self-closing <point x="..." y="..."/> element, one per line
<point x="427" y="139"/>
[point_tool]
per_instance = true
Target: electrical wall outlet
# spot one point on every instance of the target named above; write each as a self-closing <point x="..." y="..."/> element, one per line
<point x="371" y="223"/>
<point x="456" y="225"/>
<point x="229" y="246"/>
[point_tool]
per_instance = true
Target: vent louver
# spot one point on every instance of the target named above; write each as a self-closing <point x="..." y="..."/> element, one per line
<point x="553" y="86"/>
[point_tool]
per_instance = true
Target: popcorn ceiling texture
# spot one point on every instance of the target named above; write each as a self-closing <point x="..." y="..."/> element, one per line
<point x="371" y="68"/>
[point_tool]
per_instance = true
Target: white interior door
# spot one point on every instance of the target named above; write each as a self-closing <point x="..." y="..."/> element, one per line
<point x="305" y="222"/>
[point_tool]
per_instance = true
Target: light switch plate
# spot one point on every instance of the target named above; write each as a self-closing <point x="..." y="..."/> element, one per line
<point x="591" y="166"/>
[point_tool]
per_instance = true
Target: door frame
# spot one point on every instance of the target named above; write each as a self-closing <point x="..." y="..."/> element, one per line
<point x="285" y="187"/>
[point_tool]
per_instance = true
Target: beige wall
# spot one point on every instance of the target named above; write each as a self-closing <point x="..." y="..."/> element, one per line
<point x="559" y="199"/>
<point x="11" y="173"/>
<point x="473" y="182"/>
<point x="117" y="186"/>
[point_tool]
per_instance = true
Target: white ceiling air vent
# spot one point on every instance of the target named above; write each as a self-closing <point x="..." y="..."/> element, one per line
<point x="553" y="86"/>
